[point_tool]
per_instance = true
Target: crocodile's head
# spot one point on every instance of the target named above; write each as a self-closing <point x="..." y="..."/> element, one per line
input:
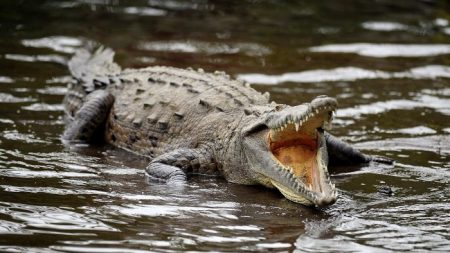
<point x="286" y="149"/>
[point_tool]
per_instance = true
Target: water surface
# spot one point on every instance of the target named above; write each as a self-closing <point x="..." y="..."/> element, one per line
<point x="388" y="64"/>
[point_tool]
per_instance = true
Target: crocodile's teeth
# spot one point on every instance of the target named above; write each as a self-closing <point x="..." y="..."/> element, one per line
<point x="296" y="126"/>
<point x="291" y="170"/>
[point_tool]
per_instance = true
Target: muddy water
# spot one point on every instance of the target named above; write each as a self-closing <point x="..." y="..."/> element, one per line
<point x="388" y="64"/>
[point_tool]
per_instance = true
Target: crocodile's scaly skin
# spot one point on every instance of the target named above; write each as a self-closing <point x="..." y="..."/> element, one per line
<point x="160" y="109"/>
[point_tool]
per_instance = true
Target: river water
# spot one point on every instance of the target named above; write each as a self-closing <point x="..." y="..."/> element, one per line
<point x="387" y="63"/>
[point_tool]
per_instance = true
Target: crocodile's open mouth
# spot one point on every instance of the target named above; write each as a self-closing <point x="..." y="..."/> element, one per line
<point x="298" y="147"/>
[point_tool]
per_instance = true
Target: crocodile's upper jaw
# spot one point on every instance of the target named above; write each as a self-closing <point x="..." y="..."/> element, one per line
<point x="293" y="156"/>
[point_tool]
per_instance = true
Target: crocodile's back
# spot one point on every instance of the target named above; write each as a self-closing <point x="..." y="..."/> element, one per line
<point x="161" y="108"/>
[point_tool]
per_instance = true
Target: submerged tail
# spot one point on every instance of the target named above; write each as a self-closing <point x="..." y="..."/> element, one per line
<point x="87" y="64"/>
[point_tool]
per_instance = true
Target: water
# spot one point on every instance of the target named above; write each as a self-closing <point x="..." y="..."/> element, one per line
<point x="387" y="62"/>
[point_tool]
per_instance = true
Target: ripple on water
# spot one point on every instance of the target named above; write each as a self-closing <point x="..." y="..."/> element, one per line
<point x="99" y="249"/>
<point x="8" y="98"/>
<point x="65" y="160"/>
<point x="25" y="173"/>
<point x="14" y="135"/>
<point x="53" y="190"/>
<point x="307" y="243"/>
<point x="37" y="58"/>
<point x="6" y="121"/>
<point x="240" y="228"/>
<point x="250" y="49"/>
<point x="43" y="107"/>
<point x="384" y="26"/>
<point x="54" y="90"/>
<point x="144" y="11"/>
<point x="137" y="197"/>
<point x="178" y="5"/>
<point x="441" y="105"/>
<point x="385" y="50"/>
<point x="47" y="217"/>
<point x="402" y="227"/>
<point x="61" y="44"/>
<point x="347" y="74"/>
<point x="415" y="131"/>
<point x="435" y="143"/>
<point x="8" y="227"/>
<point x="47" y="165"/>
<point x="122" y="171"/>
<point x="223" y="239"/>
<point x="6" y="79"/>
<point x="179" y="212"/>
<point x="446" y="30"/>
<point x="393" y="232"/>
<point x="273" y="246"/>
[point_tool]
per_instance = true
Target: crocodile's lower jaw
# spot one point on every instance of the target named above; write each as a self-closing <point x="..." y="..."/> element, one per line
<point x="292" y="196"/>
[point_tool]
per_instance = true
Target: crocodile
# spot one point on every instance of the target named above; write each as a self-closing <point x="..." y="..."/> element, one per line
<point x="192" y="122"/>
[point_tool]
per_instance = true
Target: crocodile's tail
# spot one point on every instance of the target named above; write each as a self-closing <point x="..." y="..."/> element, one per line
<point x="90" y="69"/>
<point x="87" y="64"/>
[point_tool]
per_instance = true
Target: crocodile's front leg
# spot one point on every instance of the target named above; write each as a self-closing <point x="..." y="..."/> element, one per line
<point x="89" y="117"/>
<point x="341" y="153"/>
<point x="172" y="167"/>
